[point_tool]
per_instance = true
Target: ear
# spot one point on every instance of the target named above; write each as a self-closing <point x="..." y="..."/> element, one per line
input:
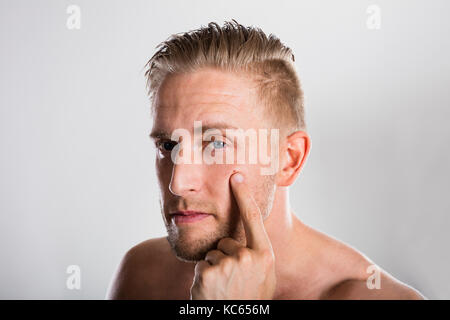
<point x="295" y="152"/>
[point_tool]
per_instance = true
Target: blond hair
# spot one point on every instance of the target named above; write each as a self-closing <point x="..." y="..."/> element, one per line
<point x="234" y="47"/>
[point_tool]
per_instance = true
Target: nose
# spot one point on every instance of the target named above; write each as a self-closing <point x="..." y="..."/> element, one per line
<point x="186" y="179"/>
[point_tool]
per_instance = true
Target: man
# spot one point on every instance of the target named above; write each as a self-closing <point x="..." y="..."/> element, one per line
<point x="231" y="231"/>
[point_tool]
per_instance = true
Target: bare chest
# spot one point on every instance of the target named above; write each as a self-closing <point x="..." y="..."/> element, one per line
<point x="178" y="288"/>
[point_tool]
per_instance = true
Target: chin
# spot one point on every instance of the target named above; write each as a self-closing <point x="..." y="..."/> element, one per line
<point x="191" y="250"/>
<point x="192" y="245"/>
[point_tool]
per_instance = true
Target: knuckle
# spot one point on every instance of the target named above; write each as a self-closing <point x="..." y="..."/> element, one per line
<point x="227" y="264"/>
<point x="226" y="244"/>
<point x="211" y="254"/>
<point x="206" y="275"/>
<point x="244" y="255"/>
<point x="200" y="265"/>
<point x="268" y="256"/>
<point x="222" y="242"/>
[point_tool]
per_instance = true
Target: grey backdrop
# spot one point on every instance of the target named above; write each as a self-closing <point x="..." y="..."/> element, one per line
<point x="78" y="185"/>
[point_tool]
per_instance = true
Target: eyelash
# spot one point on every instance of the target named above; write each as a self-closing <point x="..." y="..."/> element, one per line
<point x="160" y="144"/>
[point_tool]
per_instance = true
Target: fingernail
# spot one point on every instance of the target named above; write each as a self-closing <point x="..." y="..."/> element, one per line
<point x="237" y="177"/>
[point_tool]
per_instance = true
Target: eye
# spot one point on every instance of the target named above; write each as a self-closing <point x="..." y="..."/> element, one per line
<point x="218" y="144"/>
<point x="166" y="145"/>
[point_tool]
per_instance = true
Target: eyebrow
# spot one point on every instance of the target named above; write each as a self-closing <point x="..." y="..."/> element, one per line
<point x="209" y="125"/>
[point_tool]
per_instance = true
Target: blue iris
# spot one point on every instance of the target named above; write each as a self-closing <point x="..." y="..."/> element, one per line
<point x="219" y="144"/>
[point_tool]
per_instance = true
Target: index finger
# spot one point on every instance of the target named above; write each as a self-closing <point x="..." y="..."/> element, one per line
<point x="255" y="232"/>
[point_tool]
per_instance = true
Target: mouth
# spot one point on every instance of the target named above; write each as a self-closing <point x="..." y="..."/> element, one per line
<point x="188" y="216"/>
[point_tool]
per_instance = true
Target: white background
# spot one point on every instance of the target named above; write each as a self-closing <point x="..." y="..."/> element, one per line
<point x="77" y="180"/>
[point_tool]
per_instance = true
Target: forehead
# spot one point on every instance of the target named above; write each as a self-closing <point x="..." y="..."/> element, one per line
<point x="207" y="95"/>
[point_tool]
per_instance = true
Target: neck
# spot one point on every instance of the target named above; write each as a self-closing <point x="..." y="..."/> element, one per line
<point x="288" y="237"/>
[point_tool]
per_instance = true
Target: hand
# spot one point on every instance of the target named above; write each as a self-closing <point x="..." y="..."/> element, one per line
<point x="234" y="271"/>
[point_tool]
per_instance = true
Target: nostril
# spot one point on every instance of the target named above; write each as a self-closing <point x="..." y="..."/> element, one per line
<point x="185" y="179"/>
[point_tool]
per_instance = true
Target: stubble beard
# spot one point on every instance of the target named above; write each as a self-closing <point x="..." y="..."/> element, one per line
<point x="194" y="250"/>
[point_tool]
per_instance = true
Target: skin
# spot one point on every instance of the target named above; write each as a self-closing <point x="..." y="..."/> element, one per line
<point x="267" y="251"/>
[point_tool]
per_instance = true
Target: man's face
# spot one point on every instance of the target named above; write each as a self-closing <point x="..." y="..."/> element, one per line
<point x="219" y="100"/>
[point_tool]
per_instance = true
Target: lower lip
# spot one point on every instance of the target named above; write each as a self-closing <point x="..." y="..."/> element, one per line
<point x="189" y="218"/>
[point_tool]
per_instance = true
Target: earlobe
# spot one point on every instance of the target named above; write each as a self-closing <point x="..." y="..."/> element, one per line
<point x="296" y="151"/>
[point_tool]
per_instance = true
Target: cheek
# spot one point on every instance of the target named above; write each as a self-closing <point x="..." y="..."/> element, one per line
<point x="220" y="174"/>
<point x="217" y="180"/>
<point x="217" y="183"/>
<point x="217" y="176"/>
<point x="163" y="172"/>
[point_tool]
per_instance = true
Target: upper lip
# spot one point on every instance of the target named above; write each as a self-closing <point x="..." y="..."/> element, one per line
<point x="187" y="212"/>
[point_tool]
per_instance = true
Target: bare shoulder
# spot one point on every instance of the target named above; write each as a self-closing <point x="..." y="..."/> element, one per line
<point x="139" y="271"/>
<point x="389" y="288"/>
<point x="355" y="276"/>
